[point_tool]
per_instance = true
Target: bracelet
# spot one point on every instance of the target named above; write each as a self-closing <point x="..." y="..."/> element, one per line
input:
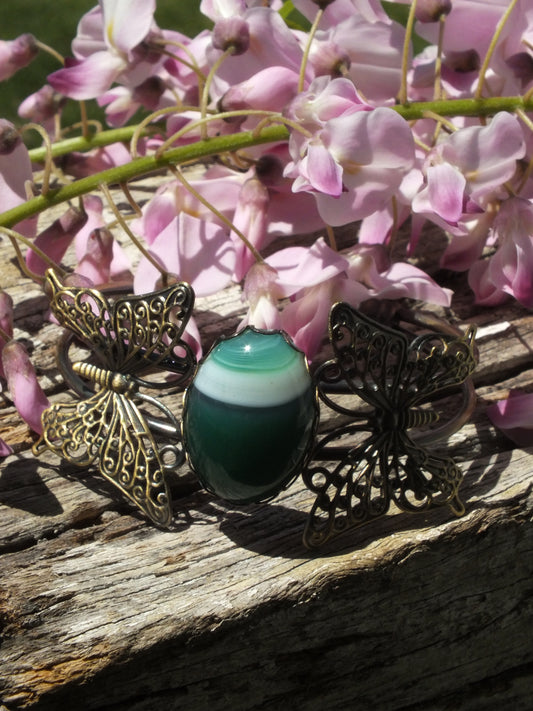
<point x="254" y="390"/>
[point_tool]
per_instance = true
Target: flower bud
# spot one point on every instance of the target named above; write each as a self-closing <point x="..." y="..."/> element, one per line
<point x="269" y="170"/>
<point x="149" y="92"/>
<point x="15" y="54"/>
<point x="9" y="137"/>
<point x="432" y="10"/>
<point x="521" y="65"/>
<point x="328" y="59"/>
<point x="42" y="105"/>
<point x="463" y="62"/>
<point x="231" y="32"/>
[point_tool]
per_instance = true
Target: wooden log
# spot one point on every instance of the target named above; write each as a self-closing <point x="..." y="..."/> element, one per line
<point x="101" y="610"/>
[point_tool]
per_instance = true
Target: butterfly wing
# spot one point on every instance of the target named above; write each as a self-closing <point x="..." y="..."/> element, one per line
<point x="85" y="312"/>
<point x="389" y="370"/>
<point x="352" y="492"/>
<point x="363" y="483"/>
<point x="133" y="332"/>
<point x="109" y="428"/>
<point x="422" y="479"/>
<point x="369" y="357"/>
<point x="149" y="330"/>
<point x="435" y="363"/>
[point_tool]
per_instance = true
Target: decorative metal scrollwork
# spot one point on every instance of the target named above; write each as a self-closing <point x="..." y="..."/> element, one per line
<point x="128" y="336"/>
<point x="361" y="467"/>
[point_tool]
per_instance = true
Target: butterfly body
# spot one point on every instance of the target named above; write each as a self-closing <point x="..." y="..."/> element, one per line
<point x="108" y="427"/>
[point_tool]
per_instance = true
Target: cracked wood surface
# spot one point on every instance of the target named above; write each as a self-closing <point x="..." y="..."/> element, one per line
<point x="100" y="610"/>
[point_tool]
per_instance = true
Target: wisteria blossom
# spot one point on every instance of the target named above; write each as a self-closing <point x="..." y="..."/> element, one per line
<point x="465" y="178"/>
<point x="514" y="416"/>
<point x="27" y="394"/>
<point x="16" y="174"/>
<point x="509" y="271"/>
<point x="108" y="46"/>
<point x="311" y="171"/>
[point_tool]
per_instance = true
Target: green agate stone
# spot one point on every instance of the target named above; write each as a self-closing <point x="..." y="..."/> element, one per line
<point x="249" y="416"/>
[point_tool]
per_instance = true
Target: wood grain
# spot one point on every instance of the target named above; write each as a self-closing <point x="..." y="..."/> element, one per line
<point x="100" y="610"/>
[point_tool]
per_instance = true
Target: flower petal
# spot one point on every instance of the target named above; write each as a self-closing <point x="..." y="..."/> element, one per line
<point x="323" y="172"/>
<point x="446" y="187"/>
<point x="300" y="267"/>
<point x="89" y="78"/>
<point x="23" y="385"/>
<point x="127" y="22"/>
<point x="514" y="416"/>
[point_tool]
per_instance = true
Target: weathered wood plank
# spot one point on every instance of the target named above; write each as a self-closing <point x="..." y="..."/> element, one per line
<point x="100" y="610"/>
<point x="231" y="601"/>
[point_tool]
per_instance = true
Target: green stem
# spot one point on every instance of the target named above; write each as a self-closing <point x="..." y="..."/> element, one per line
<point x="465" y="107"/>
<point x="142" y="166"/>
<point x="220" y="144"/>
<point x="402" y="94"/>
<point x="79" y="143"/>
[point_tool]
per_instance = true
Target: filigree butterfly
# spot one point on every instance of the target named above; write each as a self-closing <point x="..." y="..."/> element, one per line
<point x="127" y="335"/>
<point x="378" y="461"/>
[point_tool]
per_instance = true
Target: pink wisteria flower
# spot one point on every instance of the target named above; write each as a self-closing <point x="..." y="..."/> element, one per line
<point x="6" y="323"/>
<point x="509" y="271"/>
<point x="100" y="258"/>
<point x="266" y="209"/>
<point x="43" y="107"/>
<point x="464" y="177"/>
<point x="373" y="50"/>
<point x="354" y="158"/>
<point x="109" y="47"/>
<point x="514" y="416"/>
<point x="23" y="385"/>
<point x="15" y="174"/>
<point x="288" y="273"/>
<point x="314" y="278"/>
<point x="122" y="102"/>
<point x="470" y="24"/>
<point x="271" y="44"/>
<point x="56" y="239"/>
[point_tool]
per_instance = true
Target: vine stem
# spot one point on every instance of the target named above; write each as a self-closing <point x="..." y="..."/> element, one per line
<point x="139" y="167"/>
<point x="83" y="144"/>
<point x="217" y="145"/>
<point x="402" y="94"/>
<point x="490" y="51"/>
<point x="307" y="49"/>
